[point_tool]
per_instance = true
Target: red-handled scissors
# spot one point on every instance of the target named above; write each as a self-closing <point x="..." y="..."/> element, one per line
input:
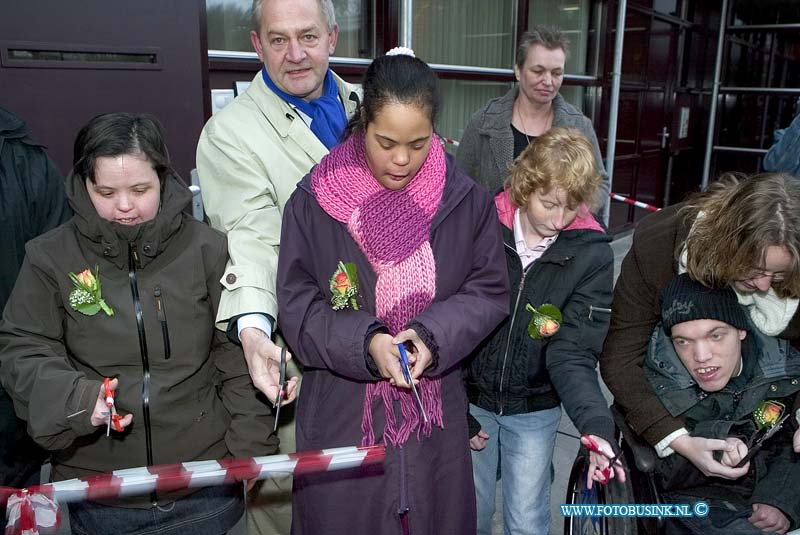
<point x="592" y="446"/>
<point x="112" y="411"/>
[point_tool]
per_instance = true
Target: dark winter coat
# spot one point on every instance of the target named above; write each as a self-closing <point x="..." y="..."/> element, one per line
<point x="514" y="374"/>
<point x="771" y="371"/>
<point x="784" y="155"/>
<point x="32" y="201"/>
<point x="32" y="198"/>
<point x="187" y="387"/>
<point x="646" y="269"/>
<point x="433" y="474"/>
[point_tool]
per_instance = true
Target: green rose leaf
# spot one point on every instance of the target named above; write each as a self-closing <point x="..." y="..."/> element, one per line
<point x="90" y="309"/>
<point x="352" y="273"/>
<point x="550" y="311"/>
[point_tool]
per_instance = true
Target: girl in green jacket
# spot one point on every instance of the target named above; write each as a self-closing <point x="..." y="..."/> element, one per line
<point x="123" y="297"/>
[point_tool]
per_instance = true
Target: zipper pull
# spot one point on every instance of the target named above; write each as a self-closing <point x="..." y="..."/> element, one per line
<point x="161" y="313"/>
<point x="162" y="317"/>
<point x="134" y="251"/>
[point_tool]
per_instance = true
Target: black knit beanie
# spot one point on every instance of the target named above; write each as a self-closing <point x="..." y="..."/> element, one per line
<point x="684" y="299"/>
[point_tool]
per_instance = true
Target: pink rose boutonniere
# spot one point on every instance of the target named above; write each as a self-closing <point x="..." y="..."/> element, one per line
<point x="546" y="321"/>
<point x="87" y="297"/>
<point x="344" y="286"/>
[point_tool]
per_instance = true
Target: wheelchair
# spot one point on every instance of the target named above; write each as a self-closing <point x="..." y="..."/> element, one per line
<point x="640" y="487"/>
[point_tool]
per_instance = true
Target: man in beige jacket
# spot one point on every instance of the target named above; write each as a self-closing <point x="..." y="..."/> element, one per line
<point x="250" y="156"/>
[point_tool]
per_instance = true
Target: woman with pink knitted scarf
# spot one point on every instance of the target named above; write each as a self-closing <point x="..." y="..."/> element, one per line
<point x="385" y="242"/>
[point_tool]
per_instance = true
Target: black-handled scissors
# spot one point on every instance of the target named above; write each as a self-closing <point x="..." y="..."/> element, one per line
<point x="281" y="388"/>
<point x="756" y="444"/>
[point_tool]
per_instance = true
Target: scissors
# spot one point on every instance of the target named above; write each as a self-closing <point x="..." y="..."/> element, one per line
<point x="281" y="388"/>
<point x="112" y="411"/>
<point x="407" y="374"/>
<point x="612" y="460"/>
<point x="755" y="443"/>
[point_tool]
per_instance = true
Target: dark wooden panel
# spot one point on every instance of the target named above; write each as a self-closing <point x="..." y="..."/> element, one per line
<point x="55" y="100"/>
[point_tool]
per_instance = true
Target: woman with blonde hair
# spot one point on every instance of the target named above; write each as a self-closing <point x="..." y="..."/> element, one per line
<point x="744" y="233"/>
<point x="560" y="267"/>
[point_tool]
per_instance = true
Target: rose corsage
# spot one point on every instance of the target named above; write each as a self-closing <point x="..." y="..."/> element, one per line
<point x="344" y="286"/>
<point x="545" y="322"/>
<point x="768" y="413"/>
<point x="87" y="297"/>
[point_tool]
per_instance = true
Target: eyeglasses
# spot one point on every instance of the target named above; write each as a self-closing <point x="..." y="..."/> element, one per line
<point x="775" y="277"/>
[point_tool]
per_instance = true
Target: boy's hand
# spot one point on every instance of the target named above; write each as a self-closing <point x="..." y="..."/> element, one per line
<point x="733" y="457"/>
<point x="478" y="442"/>
<point x="599" y="461"/>
<point x="768" y="518"/>
<point x="700" y="452"/>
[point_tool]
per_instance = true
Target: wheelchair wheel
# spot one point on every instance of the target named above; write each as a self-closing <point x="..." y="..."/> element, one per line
<point x="643" y="488"/>
<point x="578" y="494"/>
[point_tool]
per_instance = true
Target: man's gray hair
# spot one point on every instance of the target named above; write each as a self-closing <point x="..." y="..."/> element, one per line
<point x="326" y="6"/>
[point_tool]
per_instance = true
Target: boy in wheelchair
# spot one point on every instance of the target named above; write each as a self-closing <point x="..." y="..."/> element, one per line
<point x="734" y="385"/>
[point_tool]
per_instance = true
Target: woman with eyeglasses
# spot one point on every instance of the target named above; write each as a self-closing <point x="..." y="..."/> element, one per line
<point x="743" y="233"/>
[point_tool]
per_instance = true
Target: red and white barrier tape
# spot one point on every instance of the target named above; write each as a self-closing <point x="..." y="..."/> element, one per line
<point x="450" y="141"/>
<point x="37" y="507"/>
<point x="638" y="204"/>
<point x="27" y="513"/>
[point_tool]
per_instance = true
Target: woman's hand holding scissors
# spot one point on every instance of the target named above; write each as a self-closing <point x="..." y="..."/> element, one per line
<point x="419" y="356"/>
<point x="386" y="356"/>
<point x="103" y="414"/>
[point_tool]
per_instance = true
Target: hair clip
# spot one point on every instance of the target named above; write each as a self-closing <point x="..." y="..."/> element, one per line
<point x="401" y="51"/>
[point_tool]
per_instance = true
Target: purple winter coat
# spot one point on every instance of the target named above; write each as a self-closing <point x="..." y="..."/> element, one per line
<point x="433" y="474"/>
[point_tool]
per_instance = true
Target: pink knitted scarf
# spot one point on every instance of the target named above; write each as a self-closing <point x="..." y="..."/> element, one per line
<point x="392" y="228"/>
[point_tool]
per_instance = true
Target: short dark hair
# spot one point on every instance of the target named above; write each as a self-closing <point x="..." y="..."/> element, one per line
<point x="549" y="37"/>
<point x="399" y="79"/>
<point x="115" y="134"/>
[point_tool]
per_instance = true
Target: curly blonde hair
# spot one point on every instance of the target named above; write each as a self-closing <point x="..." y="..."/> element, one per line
<point x="561" y="157"/>
<point x="740" y="218"/>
